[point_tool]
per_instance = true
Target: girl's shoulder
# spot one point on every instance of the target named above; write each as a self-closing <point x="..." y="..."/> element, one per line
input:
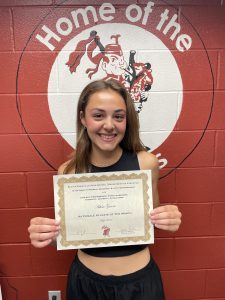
<point x="147" y="161"/>
<point x="63" y="166"/>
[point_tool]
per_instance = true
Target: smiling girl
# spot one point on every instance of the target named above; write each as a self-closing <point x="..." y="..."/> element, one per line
<point x="108" y="141"/>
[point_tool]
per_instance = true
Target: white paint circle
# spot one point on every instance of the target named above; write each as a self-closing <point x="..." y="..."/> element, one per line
<point x="159" y="113"/>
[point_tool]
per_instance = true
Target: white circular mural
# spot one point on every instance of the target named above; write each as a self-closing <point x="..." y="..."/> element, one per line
<point x="162" y="97"/>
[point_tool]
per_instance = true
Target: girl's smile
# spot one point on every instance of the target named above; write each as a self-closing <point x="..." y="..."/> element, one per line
<point x="107" y="137"/>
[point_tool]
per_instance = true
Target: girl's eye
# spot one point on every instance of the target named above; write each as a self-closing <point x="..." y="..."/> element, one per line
<point x="97" y="116"/>
<point x="119" y="117"/>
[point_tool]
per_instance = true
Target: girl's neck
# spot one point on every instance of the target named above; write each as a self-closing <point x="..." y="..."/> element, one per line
<point x="105" y="158"/>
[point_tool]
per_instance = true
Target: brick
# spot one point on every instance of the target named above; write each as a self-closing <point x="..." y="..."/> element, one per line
<point x="13" y="187"/>
<point x="200" y="185"/>
<point x="40" y="189"/>
<point x="15" y="260"/>
<point x="202" y="253"/>
<point x="179" y="146"/>
<point x="92" y="2"/>
<point x="185" y="140"/>
<point x="220" y="148"/>
<point x="199" y="61"/>
<point x="196" y="109"/>
<point x="26" y="158"/>
<point x="181" y="285"/>
<point x="217" y="119"/>
<point x="203" y="154"/>
<point x="26" y="21"/>
<point x="9" y="117"/>
<point x="51" y="146"/>
<point x="34" y="76"/>
<point x="35" y="287"/>
<point x="166" y="187"/>
<point x="165" y="259"/>
<point x="8" y="67"/>
<point x="7" y="290"/>
<point x="186" y="2"/>
<point x="40" y="212"/>
<point x="218" y="222"/>
<point x="200" y="216"/>
<point x="215" y="283"/>
<point x="49" y="261"/>
<point x="25" y="2"/>
<point x="208" y="22"/>
<point x="15" y="223"/>
<point x="36" y="115"/>
<point x="163" y="234"/>
<point x="6" y="32"/>
<point x="221" y="76"/>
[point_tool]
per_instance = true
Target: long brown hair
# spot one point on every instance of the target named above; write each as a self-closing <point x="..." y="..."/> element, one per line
<point x="131" y="141"/>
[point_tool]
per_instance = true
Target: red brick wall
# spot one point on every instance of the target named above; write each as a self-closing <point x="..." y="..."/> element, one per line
<point x="192" y="260"/>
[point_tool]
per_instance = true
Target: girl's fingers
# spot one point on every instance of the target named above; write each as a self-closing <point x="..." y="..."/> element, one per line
<point x="165" y="212"/>
<point x="43" y="236"/>
<point x="164" y="208"/>
<point x="43" y="221"/>
<point x="166" y="222"/>
<point x="43" y="228"/>
<point x="43" y="231"/>
<point x="172" y="228"/>
<point x="166" y="217"/>
<point x="41" y="244"/>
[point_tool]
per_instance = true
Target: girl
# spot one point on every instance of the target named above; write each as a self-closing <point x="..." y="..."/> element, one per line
<point x="108" y="140"/>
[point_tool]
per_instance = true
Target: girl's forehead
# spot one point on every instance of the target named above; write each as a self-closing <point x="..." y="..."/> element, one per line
<point x="106" y="99"/>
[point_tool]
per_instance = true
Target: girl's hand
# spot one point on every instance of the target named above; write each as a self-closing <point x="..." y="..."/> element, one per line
<point x="43" y="231"/>
<point x="166" y="217"/>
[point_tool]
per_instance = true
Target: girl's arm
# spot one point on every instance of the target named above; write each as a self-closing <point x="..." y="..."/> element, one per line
<point x="165" y="217"/>
<point x="43" y="231"/>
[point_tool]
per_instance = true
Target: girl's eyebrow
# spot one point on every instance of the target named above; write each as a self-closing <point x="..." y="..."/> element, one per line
<point x="120" y="110"/>
<point x="102" y="110"/>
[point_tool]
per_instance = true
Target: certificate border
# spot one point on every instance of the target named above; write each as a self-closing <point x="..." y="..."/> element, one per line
<point x="105" y="240"/>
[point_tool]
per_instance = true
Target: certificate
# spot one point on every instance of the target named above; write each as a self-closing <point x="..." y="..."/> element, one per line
<point x="103" y="209"/>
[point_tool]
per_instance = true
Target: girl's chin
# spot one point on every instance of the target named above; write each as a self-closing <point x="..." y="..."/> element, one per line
<point x="108" y="147"/>
<point x="107" y="142"/>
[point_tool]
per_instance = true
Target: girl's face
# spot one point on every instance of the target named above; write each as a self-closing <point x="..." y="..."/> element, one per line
<point x="105" y="120"/>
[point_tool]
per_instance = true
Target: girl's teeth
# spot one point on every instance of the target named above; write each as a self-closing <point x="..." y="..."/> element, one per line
<point x="107" y="137"/>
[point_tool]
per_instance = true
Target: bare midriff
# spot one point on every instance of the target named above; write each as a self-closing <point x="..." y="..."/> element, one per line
<point x="115" y="265"/>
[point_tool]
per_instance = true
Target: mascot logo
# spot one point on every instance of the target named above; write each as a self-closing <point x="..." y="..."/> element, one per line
<point x="135" y="76"/>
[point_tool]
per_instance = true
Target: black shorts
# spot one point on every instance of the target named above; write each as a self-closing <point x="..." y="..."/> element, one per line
<point x="144" y="284"/>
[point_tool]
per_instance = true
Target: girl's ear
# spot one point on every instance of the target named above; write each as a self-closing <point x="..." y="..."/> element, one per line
<point x="82" y="118"/>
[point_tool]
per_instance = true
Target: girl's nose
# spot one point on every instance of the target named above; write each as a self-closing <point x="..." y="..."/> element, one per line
<point x="108" y="124"/>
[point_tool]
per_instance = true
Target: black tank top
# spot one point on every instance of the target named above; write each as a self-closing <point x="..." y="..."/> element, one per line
<point x="127" y="162"/>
